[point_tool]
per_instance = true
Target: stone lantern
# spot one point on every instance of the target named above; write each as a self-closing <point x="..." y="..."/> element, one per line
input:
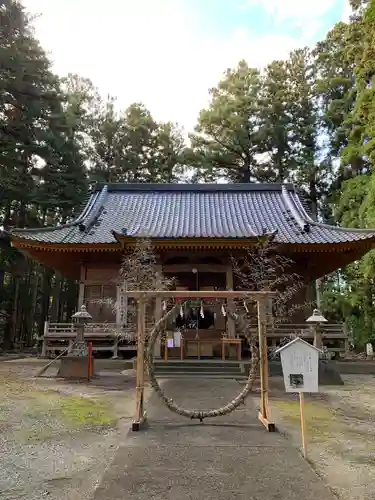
<point x="80" y="318"/>
<point x="77" y="363"/>
<point x="315" y="320"/>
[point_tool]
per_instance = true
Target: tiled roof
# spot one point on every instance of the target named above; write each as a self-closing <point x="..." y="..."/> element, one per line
<point x="173" y="211"/>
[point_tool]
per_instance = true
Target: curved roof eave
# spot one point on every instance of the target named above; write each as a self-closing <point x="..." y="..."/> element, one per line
<point x="308" y="220"/>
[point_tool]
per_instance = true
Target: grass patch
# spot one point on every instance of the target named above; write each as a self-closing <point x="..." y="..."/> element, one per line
<point x="320" y="420"/>
<point x="85" y="411"/>
<point x="51" y="415"/>
<point x="313" y="410"/>
<point x="75" y="410"/>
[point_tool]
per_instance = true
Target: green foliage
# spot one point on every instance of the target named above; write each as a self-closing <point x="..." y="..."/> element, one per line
<point x="131" y="146"/>
<point x="227" y="133"/>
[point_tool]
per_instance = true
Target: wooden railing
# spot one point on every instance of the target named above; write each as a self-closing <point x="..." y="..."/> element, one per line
<point x="115" y="338"/>
<point x="330" y="331"/>
<point x="104" y="337"/>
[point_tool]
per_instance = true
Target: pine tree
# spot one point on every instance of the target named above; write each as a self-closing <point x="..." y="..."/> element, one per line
<point x="227" y="138"/>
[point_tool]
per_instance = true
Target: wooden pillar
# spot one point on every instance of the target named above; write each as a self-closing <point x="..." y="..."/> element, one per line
<point x="263" y="354"/>
<point x="70" y="346"/>
<point x="158" y="311"/>
<point x="122" y="306"/>
<point x="231" y="326"/>
<point x="81" y="290"/>
<point x="262" y="357"/>
<point x="140" y="415"/>
<point x="44" y="345"/>
<point x="118" y="322"/>
<point x="119" y="305"/>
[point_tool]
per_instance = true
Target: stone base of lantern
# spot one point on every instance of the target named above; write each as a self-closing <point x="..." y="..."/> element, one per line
<point x="75" y="367"/>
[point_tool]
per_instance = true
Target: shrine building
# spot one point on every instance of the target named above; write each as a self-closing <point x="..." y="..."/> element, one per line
<point x="194" y="229"/>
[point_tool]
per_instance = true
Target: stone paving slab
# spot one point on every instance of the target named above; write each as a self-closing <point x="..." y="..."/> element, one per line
<point x="231" y="457"/>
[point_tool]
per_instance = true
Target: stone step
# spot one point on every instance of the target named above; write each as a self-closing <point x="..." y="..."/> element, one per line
<point x="200" y="375"/>
<point x="202" y="369"/>
<point x="185" y="370"/>
<point x="198" y="368"/>
<point x="196" y="364"/>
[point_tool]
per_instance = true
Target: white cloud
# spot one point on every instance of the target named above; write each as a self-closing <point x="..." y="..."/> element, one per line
<point x="298" y="11"/>
<point x="153" y="51"/>
<point x="346" y="12"/>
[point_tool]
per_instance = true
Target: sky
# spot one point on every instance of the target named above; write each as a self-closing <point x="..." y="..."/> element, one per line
<point x="168" y="53"/>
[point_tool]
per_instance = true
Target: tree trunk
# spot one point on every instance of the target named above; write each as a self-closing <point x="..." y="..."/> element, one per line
<point x="30" y="319"/>
<point x="11" y="327"/>
<point x="45" y="300"/>
<point x="56" y="298"/>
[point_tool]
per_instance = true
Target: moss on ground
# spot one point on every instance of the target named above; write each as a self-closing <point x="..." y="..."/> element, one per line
<point x="321" y="421"/>
<point x="85" y="411"/>
<point x="52" y="415"/>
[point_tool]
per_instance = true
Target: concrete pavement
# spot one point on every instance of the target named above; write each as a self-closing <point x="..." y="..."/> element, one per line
<point x="231" y="457"/>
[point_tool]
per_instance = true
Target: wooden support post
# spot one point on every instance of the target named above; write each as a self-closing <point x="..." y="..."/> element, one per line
<point x="90" y="363"/>
<point x="115" y="348"/>
<point x="140" y="416"/>
<point x="70" y="346"/>
<point x="81" y="290"/>
<point x="44" y="345"/>
<point x="230" y="321"/>
<point x="166" y="349"/>
<point x="303" y="423"/>
<point x="182" y="348"/>
<point x="158" y="309"/>
<point x="157" y="316"/>
<point x="119" y="305"/>
<point x="263" y="354"/>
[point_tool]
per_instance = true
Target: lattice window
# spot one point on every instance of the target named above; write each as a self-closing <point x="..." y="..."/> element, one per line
<point x="100" y="302"/>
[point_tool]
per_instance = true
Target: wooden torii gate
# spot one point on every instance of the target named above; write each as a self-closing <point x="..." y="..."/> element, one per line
<point x="260" y="297"/>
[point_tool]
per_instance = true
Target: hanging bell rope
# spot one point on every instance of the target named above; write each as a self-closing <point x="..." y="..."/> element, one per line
<point x="202" y="311"/>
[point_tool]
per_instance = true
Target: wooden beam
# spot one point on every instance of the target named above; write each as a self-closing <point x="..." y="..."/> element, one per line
<point x="199" y="294"/>
<point x="101" y="282"/>
<point x="201" y="268"/>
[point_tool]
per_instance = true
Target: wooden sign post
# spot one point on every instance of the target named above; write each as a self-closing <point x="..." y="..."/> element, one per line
<point x="303" y="423"/>
<point x="300" y="364"/>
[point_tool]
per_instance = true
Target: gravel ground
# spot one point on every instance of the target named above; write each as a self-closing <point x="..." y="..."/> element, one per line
<point x="341" y="433"/>
<point x="58" y="438"/>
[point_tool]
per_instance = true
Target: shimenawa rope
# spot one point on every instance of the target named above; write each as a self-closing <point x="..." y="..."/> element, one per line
<point x="191" y="413"/>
